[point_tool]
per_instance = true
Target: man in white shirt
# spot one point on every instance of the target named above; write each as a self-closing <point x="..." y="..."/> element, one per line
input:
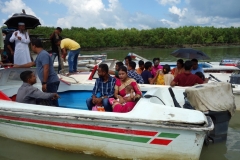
<point x="21" y="38"/>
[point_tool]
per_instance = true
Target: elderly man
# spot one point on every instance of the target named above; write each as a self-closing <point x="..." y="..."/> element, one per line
<point x="21" y="38"/>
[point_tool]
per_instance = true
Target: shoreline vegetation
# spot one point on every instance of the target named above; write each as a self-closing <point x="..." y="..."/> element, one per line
<point x="93" y="39"/>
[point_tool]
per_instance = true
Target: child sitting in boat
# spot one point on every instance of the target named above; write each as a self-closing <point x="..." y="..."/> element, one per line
<point x="130" y="94"/>
<point x="32" y="95"/>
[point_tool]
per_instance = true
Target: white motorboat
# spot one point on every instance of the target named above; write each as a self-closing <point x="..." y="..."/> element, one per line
<point x="88" y="61"/>
<point x="153" y="132"/>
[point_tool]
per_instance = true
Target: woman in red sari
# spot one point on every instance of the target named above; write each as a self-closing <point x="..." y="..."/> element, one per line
<point x="123" y="104"/>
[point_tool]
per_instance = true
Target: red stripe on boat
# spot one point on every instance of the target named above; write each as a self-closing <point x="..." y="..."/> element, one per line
<point x="83" y="126"/>
<point x="161" y="141"/>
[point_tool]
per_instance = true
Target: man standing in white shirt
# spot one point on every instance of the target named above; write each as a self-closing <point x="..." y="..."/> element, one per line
<point x="21" y="38"/>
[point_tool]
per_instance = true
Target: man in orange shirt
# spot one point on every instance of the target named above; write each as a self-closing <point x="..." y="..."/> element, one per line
<point x="140" y="69"/>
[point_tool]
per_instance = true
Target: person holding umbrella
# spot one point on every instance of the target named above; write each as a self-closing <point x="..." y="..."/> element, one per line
<point x="21" y="38"/>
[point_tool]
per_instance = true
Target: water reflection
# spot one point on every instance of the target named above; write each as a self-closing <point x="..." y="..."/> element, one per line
<point x="215" y="53"/>
<point x="229" y="150"/>
<point x="14" y="150"/>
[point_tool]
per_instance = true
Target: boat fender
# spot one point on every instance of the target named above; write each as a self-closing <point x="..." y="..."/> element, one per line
<point x="3" y="96"/>
<point x="93" y="72"/>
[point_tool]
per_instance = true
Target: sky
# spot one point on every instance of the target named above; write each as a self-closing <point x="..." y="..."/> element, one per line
<point x="120" y="14"/>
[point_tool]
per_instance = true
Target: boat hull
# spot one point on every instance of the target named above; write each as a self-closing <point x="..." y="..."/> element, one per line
<point x="119" y="140"/>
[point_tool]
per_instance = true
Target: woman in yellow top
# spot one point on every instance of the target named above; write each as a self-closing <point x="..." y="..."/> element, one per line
<point x="179" y="69"/>
<point x="73" y="52"/>
<point x="164" y="76"/>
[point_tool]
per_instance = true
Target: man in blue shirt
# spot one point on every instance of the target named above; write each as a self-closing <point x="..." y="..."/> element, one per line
<point x="195" y="67"/>
<point x="147" y="75"/>
<point x="45" y="70"/>
<point x="104" y="85"/>
<point x="133" y="74"/>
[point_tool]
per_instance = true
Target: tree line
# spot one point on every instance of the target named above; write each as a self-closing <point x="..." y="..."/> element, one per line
<point x="156" y="37"/>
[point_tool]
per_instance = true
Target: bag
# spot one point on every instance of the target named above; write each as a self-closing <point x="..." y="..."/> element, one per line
<point x="98" y="108"/>
<point x="101" y="109"/>
<point x="94" y="108"/>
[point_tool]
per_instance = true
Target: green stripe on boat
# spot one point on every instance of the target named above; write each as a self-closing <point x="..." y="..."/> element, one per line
<point x="168" y="135"/>
<point x="84" y="132"/>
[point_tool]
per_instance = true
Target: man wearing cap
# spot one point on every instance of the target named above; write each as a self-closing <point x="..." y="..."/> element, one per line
<point x="21" y="38"/>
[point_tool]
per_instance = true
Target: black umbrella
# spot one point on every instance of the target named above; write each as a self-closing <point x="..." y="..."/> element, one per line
<point x="189" y="53"/>
<point x="30" y="21"/>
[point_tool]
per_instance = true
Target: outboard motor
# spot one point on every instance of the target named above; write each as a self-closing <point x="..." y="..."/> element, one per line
<point x="220" y="118"/>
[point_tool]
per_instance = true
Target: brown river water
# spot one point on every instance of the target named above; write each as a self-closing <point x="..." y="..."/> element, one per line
<point x="229" y="150"/>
